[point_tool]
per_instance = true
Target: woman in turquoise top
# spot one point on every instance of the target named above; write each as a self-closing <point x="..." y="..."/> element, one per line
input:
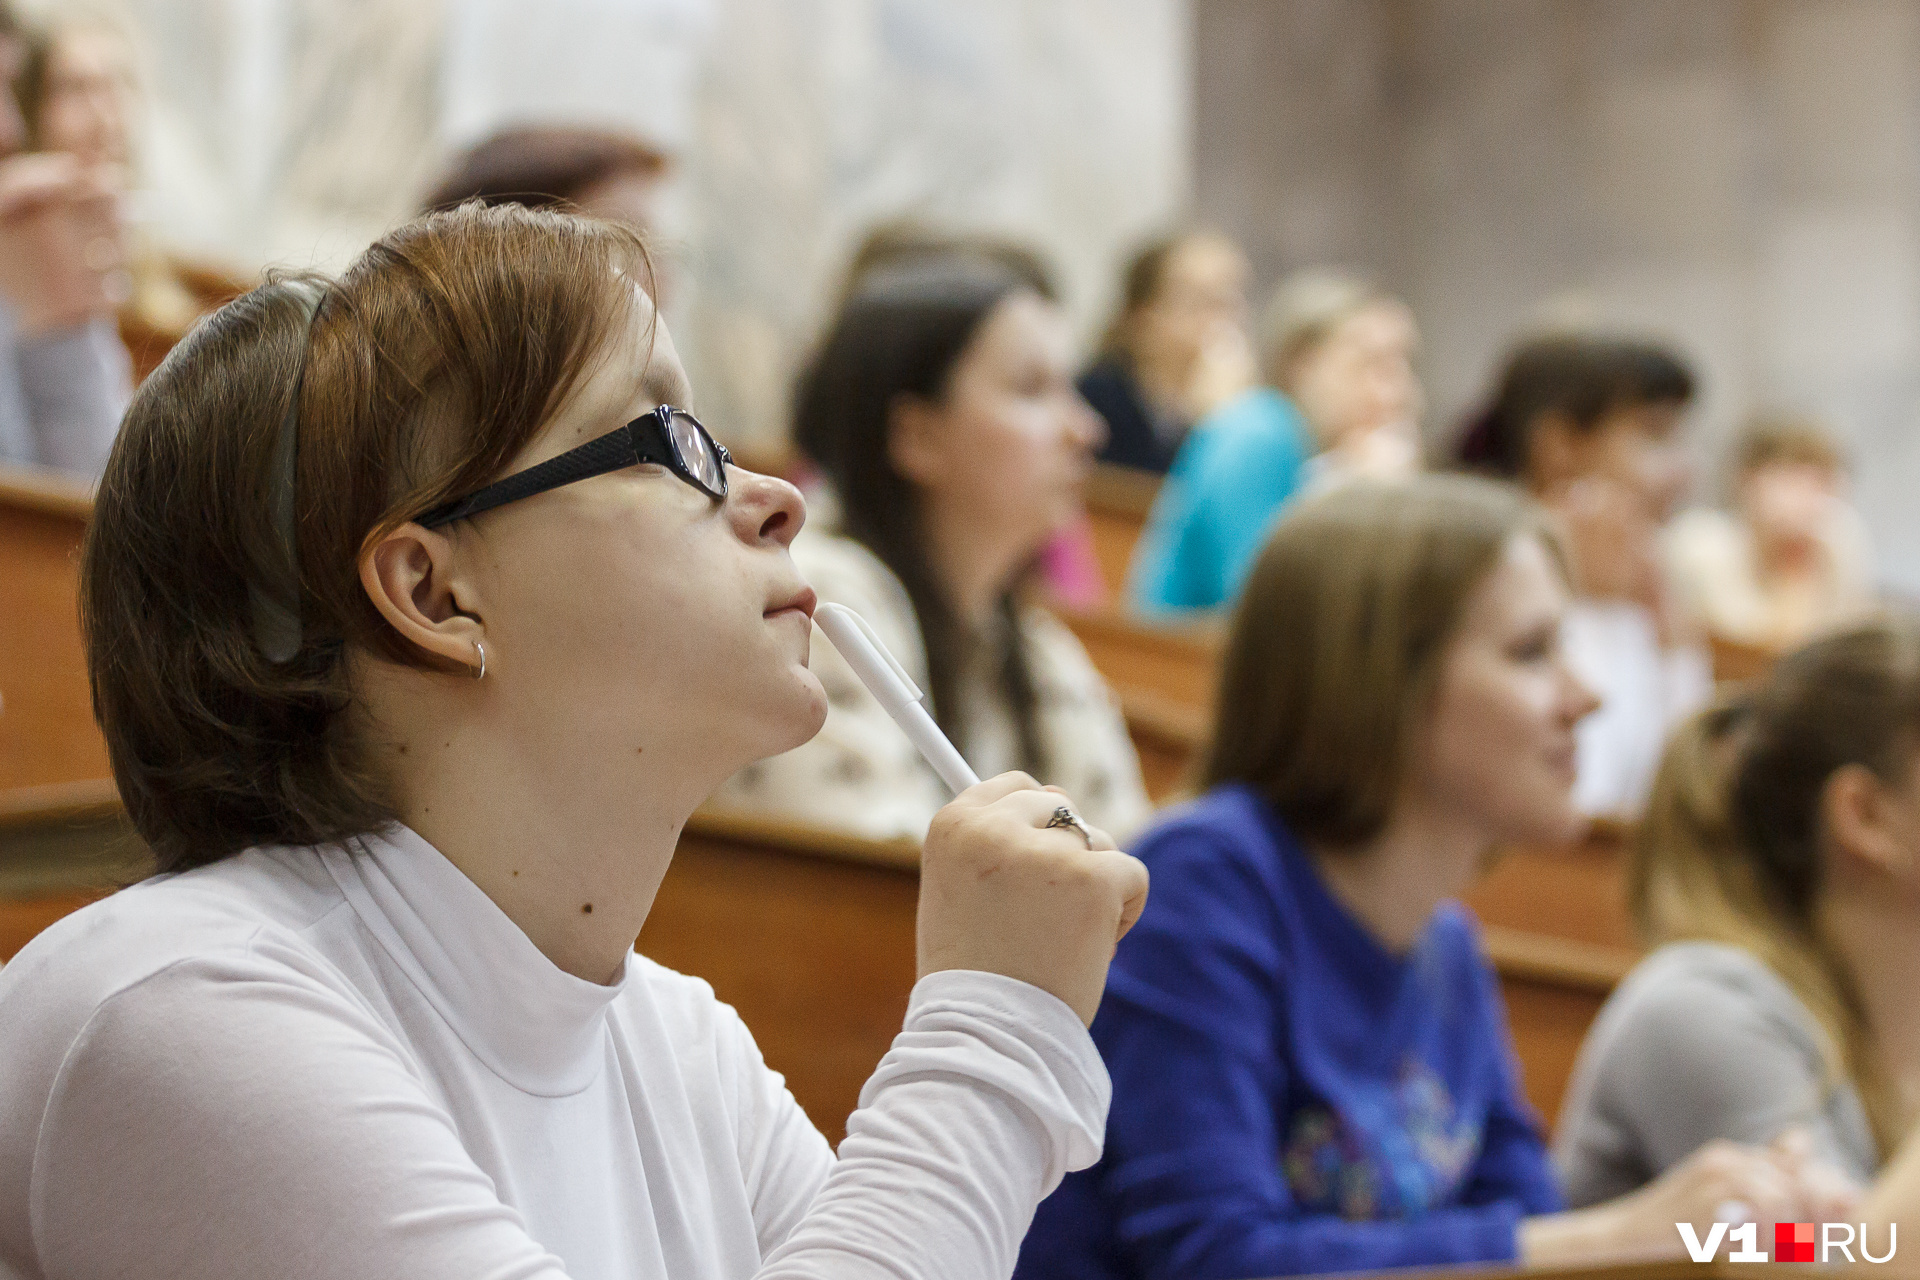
<point x="1338" y="361"/>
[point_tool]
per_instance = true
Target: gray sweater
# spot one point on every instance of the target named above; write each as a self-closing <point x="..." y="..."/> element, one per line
<point x="61" y="395"/>
<point x="1701" y="1041"/>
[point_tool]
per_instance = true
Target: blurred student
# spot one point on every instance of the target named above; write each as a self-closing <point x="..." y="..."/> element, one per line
<point x="596" y="172"/>
<point x="1776" y="873"/>
<point x="64" y="374"/>
<point x="1340" y="402"/>
<point x="1592" y="427"/>
<point x="1311" y="1064"/>
<point x="79" y="93"/>
<point x="1792" y="559"/>
<point x="1068" y="567"/>
<point x="420" y="618"/>
<point x="1175" y="349"/>
<point x="941" y="408"/>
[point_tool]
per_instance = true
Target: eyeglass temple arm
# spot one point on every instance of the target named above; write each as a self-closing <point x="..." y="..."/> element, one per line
<point x="596" y="457"/>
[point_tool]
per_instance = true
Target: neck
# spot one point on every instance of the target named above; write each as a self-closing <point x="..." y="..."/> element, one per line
<point x="975" y="560"/>
<point x="1876" y="936"/>
<point x="1393" y="883"/>
<point x="570" y="844"/>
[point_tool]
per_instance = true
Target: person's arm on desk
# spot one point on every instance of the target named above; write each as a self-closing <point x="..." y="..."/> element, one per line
<point x="61" y="277"/>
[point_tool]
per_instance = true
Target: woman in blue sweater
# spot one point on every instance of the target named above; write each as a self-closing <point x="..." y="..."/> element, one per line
<point x="1310" y="1058"/>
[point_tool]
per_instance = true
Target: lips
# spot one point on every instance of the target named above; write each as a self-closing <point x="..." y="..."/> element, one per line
<point x="803" y="601"/>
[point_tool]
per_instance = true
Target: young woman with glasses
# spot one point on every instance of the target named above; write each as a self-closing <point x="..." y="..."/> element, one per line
<point x="418" y="622"/>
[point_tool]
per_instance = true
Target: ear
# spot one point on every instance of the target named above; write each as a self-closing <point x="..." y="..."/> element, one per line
<point x="1862" y="820"/>
<point x="411" y="577"/>
<point x="915" y="433"/>
<point x="1556" y="452"/>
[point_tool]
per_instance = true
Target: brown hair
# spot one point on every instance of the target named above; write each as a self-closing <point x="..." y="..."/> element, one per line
<point x="1337" y="644"/>
<point x="1582" y="378"/>
<point x="903" y="241"/>
<point x="1772" y="438"/>
<point x="430" y="364"/>
<point x="543" y="167"/>
<point x="1140" y="285"/>
<point x="1730" y="849"/>
<point x="1303" y="312"/>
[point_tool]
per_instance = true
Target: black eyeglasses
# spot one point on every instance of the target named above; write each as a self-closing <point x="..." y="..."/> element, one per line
<point x="671" y="437"/>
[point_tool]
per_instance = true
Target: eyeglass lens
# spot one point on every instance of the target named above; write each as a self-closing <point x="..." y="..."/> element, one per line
<point x="699" y="457"/>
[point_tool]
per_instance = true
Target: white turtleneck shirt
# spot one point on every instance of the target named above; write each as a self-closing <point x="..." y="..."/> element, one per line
<point x="346" y="1063"/>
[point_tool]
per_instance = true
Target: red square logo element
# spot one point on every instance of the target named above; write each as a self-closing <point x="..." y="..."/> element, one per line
<point x="1793" y="1242"/>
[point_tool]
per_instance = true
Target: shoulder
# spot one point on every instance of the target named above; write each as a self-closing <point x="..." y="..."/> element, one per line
<point x="166" y="961"/>
<point x="222" y="909"/>
<point x="707" y="1035"/>
<point x="685" y="1003"/>
<point x="1216" y="857"/>
<point x="1056" y="651"/>
<point x="1680" y="975"/>
<point x="1700" y="993"/>
<point x="1258" y="426"/>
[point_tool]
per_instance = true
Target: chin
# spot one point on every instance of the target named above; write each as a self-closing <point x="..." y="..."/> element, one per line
<point x="799" y="715"/>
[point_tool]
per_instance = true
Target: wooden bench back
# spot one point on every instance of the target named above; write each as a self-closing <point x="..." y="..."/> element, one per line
<point x="47" y="733"/>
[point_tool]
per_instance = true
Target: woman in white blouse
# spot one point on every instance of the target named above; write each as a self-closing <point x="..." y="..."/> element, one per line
<point x="413" y="744"/>
<point x="941" y="407"/>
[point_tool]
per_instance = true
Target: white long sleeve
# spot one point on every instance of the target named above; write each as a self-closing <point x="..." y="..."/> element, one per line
<point x="317" y="1063"/>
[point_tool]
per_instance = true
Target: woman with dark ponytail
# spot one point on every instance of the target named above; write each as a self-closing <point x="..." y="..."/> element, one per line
<point x="1777" y="871"/>
<point x="941" y="407"/>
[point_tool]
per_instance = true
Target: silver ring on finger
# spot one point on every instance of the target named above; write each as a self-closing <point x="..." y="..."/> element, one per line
<point x="1065" y="817"/>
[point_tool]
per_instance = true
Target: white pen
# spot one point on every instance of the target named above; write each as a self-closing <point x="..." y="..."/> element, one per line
<point x="889" y="682"/>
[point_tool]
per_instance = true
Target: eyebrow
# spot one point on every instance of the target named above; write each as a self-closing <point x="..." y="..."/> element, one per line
<point x="664" y="388"/>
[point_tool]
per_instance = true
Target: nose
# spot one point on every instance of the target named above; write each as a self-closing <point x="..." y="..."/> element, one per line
<point x="1087" y="428"/>
<point x="764" y="509"/>
<point x="1577" y="698"/>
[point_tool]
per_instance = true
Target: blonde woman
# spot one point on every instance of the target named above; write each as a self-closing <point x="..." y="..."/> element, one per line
<point x="1312" y="1070"/>
<point x="1777" y="873"/>
<point x="1339" y="402"/>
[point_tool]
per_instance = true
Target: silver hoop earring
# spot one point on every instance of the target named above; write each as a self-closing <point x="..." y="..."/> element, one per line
<point x="481" y="674"/>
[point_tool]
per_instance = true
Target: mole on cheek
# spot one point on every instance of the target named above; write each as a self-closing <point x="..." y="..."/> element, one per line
<point x="587" y="909"/>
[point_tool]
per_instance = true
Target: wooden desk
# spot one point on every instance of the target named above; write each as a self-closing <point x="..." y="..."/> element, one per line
<point x="47" y="734"/>
<point x="1176" y="663"/>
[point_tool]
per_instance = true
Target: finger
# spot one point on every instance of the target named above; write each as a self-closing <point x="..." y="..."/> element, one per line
<point x="1099" y="839"/>
<point x="1131" y="881"/>
<point x="1036" y="806"/>
<point x="997" y="788"/>
<point x="1794" y="1144"/>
